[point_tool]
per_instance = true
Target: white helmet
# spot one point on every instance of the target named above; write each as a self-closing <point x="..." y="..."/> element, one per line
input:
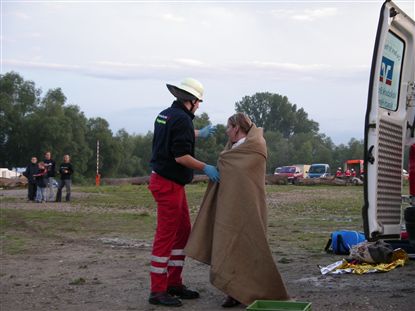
<point x="189" y="89"/>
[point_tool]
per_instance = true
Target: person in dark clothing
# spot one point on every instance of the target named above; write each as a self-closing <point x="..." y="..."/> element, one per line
<point x="31" y="170"/>
<point x="41" y="182"/>
<point x="50" y="165"/>
<point x="172" y="164"/>
<point x="66" y="171"/>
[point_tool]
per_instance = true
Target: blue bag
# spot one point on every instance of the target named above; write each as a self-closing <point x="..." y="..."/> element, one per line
<point x="341" y="241"/>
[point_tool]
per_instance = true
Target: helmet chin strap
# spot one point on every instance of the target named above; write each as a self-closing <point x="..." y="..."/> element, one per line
<point x="192" y="102"/>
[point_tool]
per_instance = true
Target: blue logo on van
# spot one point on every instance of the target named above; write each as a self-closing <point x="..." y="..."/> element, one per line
<point x="386" y="71"/>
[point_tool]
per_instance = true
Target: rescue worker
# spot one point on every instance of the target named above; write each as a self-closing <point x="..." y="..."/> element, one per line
<point x="347" y="173"/>
<point x="339" y="172"/>
<point x="353" y="173"/>
<point x="172" y="164"/>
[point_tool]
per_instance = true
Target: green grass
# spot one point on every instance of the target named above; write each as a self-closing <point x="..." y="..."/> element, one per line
<point x="129" y="212"/>
<point x="12" y="244"/>
<point x="21" y="229"/>
<point x="121" y="197"/>
<point x="307" y="224"/>
<point x="10" y="199"/>
<point x="131" y="197"/>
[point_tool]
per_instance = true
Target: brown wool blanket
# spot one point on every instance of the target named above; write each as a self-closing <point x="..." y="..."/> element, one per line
<point x="229" y="233"/>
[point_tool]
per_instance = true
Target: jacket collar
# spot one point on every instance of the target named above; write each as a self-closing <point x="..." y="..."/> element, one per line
<point x="178" y="104"/>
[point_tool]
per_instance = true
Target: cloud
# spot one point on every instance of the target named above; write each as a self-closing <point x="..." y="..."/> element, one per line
<point x="180" y="67"/>
<point x="5" y="39"/>
<point x="127" y="66"/>
<point x="290" y="66"/>
<point x="40" y="65"/>
<point x="33" y="35"/>
<point x="312" y="15"/>
<point x="172" y="18"/>
<point x="21" y="15"/>
<point x="305" y="15"/>
<point x="191" y="62"/>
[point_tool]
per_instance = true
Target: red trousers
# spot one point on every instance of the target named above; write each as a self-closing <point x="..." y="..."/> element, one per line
<point x="172" y="233"/>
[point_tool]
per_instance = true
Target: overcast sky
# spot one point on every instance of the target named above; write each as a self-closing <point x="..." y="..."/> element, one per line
<point x="113" y="58"/>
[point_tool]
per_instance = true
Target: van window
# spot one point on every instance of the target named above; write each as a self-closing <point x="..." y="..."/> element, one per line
<point x="390" y="72"/>
<point x="318" y="169"/>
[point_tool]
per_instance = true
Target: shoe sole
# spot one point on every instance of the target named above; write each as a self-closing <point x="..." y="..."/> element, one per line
<point x="185" y="297"/>
<point x="156" y="302"/>
<point x="181" y="296"/>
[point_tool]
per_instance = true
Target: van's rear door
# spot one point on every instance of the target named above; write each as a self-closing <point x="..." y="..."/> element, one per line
<point x="389" y="123"/>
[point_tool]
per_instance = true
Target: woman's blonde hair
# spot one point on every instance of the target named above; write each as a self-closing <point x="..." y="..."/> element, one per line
<point x="242" y="120"/>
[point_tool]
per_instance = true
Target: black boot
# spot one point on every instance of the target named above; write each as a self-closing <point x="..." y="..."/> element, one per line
<point x="182" y="292"/>
<point x="164" y="299"/>
<point x="230" y="302"/>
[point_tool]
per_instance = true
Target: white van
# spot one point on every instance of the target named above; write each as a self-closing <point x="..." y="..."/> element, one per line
<point x="318" y="170"/>
<point x="389" y="124"/>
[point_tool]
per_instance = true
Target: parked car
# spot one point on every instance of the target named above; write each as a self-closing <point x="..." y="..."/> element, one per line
<point x="318" y="170"/>
<point x="293" y="173"/>
<point x="277" y="170"/>
<point x="304" y="168"/>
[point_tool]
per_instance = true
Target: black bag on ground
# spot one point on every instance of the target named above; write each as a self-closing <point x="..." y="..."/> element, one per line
<point x="372" y="252"/>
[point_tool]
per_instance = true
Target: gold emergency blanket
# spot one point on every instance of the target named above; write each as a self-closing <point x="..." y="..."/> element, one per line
<point x="343" y="267"/>
<point x="229" y="233"/>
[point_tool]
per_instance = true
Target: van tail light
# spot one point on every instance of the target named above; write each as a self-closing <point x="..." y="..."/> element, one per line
<point x="411" y="169"/>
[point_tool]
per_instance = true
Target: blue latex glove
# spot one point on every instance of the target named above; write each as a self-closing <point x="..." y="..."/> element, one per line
<point x="211" y="172"/>
<point x="207" y="131"/>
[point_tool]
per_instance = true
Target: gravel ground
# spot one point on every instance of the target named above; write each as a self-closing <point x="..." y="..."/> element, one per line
<point x="111" y="273"/>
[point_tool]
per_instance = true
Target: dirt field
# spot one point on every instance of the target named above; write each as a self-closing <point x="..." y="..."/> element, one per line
<point x="110" y="272"/>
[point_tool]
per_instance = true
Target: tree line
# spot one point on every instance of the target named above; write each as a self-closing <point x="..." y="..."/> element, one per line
<point x="32" y="123"/>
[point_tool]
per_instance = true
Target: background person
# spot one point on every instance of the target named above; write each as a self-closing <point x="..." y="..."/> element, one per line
<point x="31" y="170"/>
<point x="173" y="163"/>
<point x="41" y="182"/>
<point x="50" y="165"/>
<point x="230" y="231"/>
<point x="66" y="171"/>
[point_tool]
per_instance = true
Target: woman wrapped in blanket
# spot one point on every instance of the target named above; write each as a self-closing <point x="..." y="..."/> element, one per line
<point x="230" y="231"/>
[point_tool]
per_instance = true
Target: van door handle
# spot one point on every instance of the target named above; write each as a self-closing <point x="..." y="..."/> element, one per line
<point x="370" y="157"/>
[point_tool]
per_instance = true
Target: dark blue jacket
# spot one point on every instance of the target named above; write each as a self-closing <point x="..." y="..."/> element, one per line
<point x="174" y="136"/>
<point x="66" y="170"/>
<point x="51" y="166"/>
<point x="31" y="170"/>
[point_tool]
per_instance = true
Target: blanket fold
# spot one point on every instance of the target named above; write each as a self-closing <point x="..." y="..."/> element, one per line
<point x="229" y="233"/>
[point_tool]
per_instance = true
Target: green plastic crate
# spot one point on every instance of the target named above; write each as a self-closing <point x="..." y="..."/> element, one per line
<point x="274" y="305"/>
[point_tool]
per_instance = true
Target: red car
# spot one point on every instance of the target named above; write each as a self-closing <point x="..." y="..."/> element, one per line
<point x="293" y="173"/>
